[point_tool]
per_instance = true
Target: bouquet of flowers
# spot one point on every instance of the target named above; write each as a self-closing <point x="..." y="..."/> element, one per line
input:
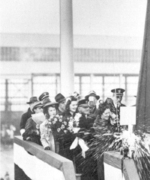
<point x="58" y="125"/>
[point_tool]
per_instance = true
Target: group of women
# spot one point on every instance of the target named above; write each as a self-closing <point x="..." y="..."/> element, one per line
<point x="57" y="131"/>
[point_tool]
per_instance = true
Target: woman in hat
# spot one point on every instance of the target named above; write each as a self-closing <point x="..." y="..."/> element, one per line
<point x="47" y="137"/>
<point x="32" y="132"/>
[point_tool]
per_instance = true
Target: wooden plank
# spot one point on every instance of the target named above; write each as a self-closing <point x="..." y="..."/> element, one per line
<point x="53" y="159"/>
<point x="116" y="160"/>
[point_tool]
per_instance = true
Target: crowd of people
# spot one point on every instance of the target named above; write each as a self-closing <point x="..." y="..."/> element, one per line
<point x="56" y="125"/>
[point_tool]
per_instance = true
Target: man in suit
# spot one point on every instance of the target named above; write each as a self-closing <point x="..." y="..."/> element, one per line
<point x="92" y="99"/>
<point x="27" y="114"/>
<point x="86" y="121"/>
<point x="61" y="100"/>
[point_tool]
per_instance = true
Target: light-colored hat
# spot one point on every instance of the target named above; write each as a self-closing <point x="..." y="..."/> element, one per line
<point x="35" y="105"/>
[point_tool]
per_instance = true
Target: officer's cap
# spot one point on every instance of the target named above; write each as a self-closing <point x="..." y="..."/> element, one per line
<point x="118" y="91"/>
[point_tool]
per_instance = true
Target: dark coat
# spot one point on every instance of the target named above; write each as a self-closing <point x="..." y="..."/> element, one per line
<point x="25" y="117"/>
<point x="102" y="127"/>
<point x="32" y="132"/>
<point x="86" y="122"/>
<point x="93" y="113"/>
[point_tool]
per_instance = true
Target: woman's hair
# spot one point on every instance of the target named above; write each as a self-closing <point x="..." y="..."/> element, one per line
<point x="71" y="98"/>
<point x="103" y="107"/>
<point x="45" y="111"/>
<point x="108" y="104"/>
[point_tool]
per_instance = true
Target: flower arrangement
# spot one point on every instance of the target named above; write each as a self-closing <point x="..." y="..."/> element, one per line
<point x="62" y="126"/>
<point x="58" y="125"/>
<point x="130" y="145"/>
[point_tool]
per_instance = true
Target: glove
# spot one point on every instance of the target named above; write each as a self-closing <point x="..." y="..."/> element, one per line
<point x="47" y="148"/>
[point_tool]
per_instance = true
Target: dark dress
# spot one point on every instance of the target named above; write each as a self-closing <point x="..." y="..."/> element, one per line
<point x="25" y="117"/>
<point x="102" y="127"/>
<point x="85" y="124"/>
<point x="65" y="140"/>
<point x="31" y="130"/>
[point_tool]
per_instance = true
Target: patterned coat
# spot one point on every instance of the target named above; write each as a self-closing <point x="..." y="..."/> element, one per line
<point x="47" y="138"/>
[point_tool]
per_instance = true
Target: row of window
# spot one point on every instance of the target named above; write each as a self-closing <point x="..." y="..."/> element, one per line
<point x="15" y="92"/>
<point x="80" y="55"/>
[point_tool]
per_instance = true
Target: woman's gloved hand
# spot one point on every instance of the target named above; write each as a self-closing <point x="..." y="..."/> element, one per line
<point x="47" y="148"/>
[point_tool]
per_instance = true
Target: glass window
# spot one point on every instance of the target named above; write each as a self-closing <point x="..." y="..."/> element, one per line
<point x="2" y="94"/>
<point x="111" y="82"/>
<point x="132" y="86"/>
<point x="97" y="85"/>
<point x="44" y="84"/>
<point x="18" y="92"/>
<point x="77" y="84"/>
<point x="85" y="85"/>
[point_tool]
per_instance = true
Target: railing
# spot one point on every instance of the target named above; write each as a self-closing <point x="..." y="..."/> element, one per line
<point x="118" y="168"/>
<point x="39" y="164"/>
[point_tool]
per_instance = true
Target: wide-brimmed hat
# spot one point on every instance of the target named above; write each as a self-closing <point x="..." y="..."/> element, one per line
<point x="35" y="105"/>
<point x="32" y="100"/>
<point x="60" y="98"/>
<point x="92" y="93"/>
<point x="43" y="96"/>
<point x="118" y="91"/>
<point x="83" y="103"/>
<point x="47" y="102"/>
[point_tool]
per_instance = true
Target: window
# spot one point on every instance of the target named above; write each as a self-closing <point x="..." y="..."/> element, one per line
<point x="111" y="82"/>
<point x="44" y="84"/>
<point x="97" y="85"/>
<point x="132" y="86"/>
<point x="85" y="85"/>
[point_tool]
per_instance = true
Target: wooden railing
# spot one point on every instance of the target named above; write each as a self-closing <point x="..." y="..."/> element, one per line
<point x="38" y="163"/>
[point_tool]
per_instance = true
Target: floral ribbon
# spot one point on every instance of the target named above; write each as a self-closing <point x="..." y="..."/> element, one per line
<point x="81" y="143"/>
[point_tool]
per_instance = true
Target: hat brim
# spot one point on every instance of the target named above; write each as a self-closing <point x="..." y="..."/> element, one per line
<point x="44" y="97"/>
<point x="30" y="102"/>
<point x="36" y="105"/>
<point x="97" y="97"/>
<point x="50" y="104"/>
<point x="62" y="100"/>
<point x="118" y="94"/>
<point x="84" y="105"/>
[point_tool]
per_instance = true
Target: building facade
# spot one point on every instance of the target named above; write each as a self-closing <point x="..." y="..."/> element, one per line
<point x="30" y="65"/>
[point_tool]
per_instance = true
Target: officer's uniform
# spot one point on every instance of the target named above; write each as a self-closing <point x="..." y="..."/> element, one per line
<point x="118" y="92"/>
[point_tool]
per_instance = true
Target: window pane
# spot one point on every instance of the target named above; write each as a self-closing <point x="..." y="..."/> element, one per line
<point x="44" y="84"/>
<point x="111" y="82"/>
<point x="85" y="79"/>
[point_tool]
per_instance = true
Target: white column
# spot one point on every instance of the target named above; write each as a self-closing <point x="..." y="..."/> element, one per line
<point x="66" y="48"/>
